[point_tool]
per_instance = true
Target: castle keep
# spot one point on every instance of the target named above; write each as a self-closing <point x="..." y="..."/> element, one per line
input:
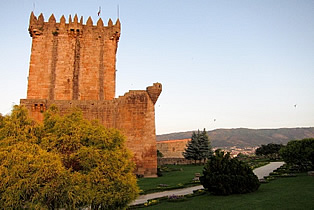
<point x="74" y="65"/>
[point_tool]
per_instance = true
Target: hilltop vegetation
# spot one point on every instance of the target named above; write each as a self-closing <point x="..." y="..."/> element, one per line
<point x="243" y="137"/>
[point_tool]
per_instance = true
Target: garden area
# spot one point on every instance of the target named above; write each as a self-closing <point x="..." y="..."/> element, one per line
<point x="173" y="177"/>
<point x="283" y="193"/>
<point x="289" y="187"/>
<point x="70" y="163"/>
<point x="181" y="176"/>
<point x="283" y="189"/>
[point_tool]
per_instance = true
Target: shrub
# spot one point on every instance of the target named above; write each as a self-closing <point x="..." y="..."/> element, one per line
<point x="176" y="198"/>
<point x="223" y="175"/>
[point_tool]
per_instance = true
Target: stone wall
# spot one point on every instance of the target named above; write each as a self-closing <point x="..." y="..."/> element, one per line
<point x="172" y="148"/>
<point x="133" y="114"/>
<point x="73" y="65"/>
<point x="174" y="161"/>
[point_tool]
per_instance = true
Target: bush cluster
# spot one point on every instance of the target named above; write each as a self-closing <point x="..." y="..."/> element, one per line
<point x="223" y="175"/>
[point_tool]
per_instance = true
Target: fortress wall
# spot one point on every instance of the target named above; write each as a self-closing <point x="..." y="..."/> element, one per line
<point x="172" y="148"/>
<point x="74" y="65"/>
<point x="133" y="114"/>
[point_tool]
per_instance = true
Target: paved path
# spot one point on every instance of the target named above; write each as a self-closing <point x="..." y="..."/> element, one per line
<point x="184" y="191"/>
<point x="259" y="172"/>
<point x="267" y="169"/>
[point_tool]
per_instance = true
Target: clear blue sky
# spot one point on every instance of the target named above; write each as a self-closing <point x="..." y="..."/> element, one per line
<point x="243" y="63"/>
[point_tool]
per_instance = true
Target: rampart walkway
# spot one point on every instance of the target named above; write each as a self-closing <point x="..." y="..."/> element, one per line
<point x="259" y="172"/>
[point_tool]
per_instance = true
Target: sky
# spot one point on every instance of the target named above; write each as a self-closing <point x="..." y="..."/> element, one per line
<point x="222" y="64"/>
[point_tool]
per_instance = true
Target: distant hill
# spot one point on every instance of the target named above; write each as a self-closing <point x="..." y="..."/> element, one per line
<point x="243" y="137"/>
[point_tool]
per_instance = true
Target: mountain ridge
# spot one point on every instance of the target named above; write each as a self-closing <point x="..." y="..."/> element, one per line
<point x="245" y="137"/>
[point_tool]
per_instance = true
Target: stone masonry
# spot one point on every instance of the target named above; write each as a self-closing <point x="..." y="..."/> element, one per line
<point x="172" y="148"/>
<point x="74" y="65"/>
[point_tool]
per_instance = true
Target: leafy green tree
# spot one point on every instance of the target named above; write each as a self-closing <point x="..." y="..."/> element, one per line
<point x="223" y="175"/>
<point x="67" y="162"/>
<point x="299" y="153"/>
<point x="32" y="178"/>
<point x="1" y="121"/>
<point x="270" y="150"/>
<point x="198" y="148"/>
<point x="18" y="127"/>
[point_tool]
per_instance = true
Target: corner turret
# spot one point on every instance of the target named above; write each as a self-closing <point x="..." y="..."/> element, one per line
<point x="154" y="91"/>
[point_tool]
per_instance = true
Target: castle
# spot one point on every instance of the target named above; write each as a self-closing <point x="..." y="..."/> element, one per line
<point x="74" y="65"/>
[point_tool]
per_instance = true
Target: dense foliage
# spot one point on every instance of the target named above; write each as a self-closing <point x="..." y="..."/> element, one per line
<point x="223" y="175"/>
<point x="67" y="162"/>
<point x="270" y="150"/>
<point x="299" y="153"/>
<point x="199" y="147"/>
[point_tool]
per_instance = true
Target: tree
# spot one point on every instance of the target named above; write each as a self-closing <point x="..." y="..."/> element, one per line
<point x="299" y="153"/>
<point x="271" y="150"/>
<point x="268" y="149"/>
<point x="18" y="127"/>
<point x="32" y="178"/>
<point x="204" y="146"/>
<point x="191" y="152"/>
<point x="198" y="148"/>
<point x="1" y="121"/>
<point x="223" y="175"/>
<point x="159" y="154"/>
<point x="67" y="162"/>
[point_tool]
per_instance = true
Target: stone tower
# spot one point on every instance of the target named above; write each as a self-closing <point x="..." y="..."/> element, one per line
<point x="74" y="65"/>
<point x="72" y="61"/>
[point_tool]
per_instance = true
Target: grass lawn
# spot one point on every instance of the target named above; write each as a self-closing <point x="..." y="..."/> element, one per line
<point x="283" y="193"/>
<point x="181" y="177"/>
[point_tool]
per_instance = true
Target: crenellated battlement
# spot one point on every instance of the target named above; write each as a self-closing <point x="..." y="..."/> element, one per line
<point x="72" y="60"/>
<point x="38" y="26"/>
<point x="73" y="64"/>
